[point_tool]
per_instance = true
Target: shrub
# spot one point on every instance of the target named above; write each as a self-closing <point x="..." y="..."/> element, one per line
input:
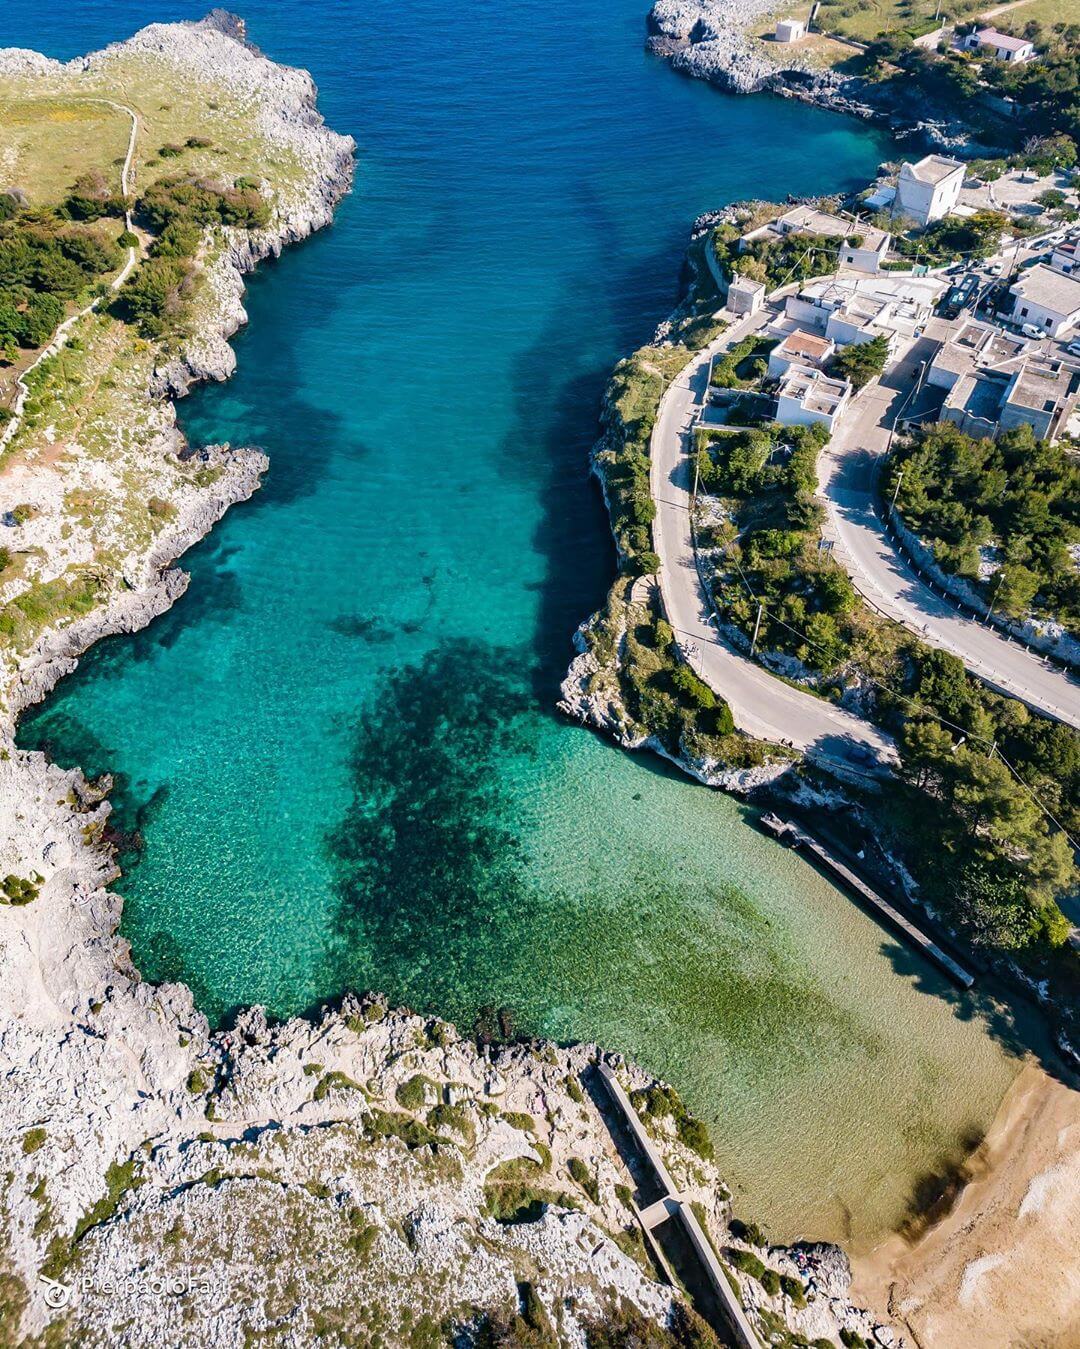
<point x="453" y="1117"/>
<point x="745" y="1261"/>
<point x="770" y="1281"/>
<point x="794" y="1289"/>
<point x="851" y="1339"/>
<point x="334" y="1081"/>
<point x="581" y="1174"/>
<point x="388" y="1124"/>
<point x="693" y="1134"/>
<point x="412" y="1095"/>
<point x="17" y="890"/>
<point x="32" y="1140"/>
<point x="695" y="689"/>
<point x="197" y="1082"/>
<point x="511" y="1196"/>
<point x="750" y="1232"/>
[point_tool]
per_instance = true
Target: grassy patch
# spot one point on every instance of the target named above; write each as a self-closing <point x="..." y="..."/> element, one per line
<point x="581" y="1175"/>
<point x="51" y="140"/>
<point x="413" y="1094"/>
<point x="511" y="1194"/>
<point x="120" y="1178"/>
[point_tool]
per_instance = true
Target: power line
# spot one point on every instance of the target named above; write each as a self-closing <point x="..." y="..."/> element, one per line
<point x="913" y="703"/>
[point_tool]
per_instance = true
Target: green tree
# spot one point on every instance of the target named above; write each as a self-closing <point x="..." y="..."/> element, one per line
<point x="860" y="362"/>
<point x="926" y="749"/>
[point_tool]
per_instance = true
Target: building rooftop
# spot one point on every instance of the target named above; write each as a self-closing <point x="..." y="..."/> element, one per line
<point x="1042" y="386"/>
<point x="809" y="220"/>
<point x="1049" y="289"/>
<point x="967" y="342"/>
<point x="933" y="168"/>
<point x="807" y="344"/>
<point x="815" y="391"/>
<point x="978" y="394"/>
<point x="746" y="284"/>
<point x="992" y="38"/>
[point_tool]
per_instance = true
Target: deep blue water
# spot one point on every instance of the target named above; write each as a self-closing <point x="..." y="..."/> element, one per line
<point x="341" y="746"/>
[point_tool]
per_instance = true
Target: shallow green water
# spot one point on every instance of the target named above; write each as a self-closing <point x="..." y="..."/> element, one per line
<point x="341" y="748"/>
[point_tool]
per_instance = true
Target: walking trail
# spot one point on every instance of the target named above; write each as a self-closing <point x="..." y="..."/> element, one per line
<point x="63" y="332"/>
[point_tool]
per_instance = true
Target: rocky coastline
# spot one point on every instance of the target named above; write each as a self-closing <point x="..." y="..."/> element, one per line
<point x="160" y="1178"/>
<point x="710" y="40"/>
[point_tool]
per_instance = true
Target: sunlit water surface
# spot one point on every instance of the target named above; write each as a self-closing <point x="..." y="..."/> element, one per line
<point x="341" y="746"/>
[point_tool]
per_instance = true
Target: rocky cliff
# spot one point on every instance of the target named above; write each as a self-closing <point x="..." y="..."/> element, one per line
<point x="362" y="1175"/>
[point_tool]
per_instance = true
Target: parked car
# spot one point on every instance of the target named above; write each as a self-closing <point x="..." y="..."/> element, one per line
<point x="959" y="296"/>
<point x="1029" y="330"/>
<point x="1073" y="348"/>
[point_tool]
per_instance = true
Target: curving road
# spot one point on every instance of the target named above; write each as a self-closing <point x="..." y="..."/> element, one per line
<point x="761" y="704"/>
<point x="884" y="577"/>
<point x="63" y="332"/>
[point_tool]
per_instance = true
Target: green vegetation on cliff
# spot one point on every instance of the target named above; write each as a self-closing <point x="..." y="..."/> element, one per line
<point x="1017" y="495"/>
<point x="972" y="759"/>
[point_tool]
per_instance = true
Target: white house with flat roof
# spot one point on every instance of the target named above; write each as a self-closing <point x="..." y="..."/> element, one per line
<point x="745" y="296"/>
<point x="1042" y="395"/>
<point x="861" y="246"/>
<point x="790" y="30"/>
<point x="1066" y="256"/>
<point x="850" y="309"/>
<point x="807" y="397"/>
<point x="1047" y="299"/>
<point x="929" y="189"/>
<point x="966" y="345"/>
<point x="1026" y="391"/>
<point x="1001" y="46"/>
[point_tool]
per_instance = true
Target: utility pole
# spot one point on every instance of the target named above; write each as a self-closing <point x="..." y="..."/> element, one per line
<point x="993" y="598"/>
<point x="757" y="627"/>
<point x="896" y="492"/>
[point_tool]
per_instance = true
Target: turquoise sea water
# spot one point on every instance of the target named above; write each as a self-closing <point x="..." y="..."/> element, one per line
<point x="340" y="747"/>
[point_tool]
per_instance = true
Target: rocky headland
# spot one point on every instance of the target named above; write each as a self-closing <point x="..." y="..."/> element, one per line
<point x="713" y="40"/>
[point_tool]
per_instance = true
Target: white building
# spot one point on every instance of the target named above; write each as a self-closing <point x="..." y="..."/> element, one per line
<point x="850" y="309"/>
<point x="1001" y="46"/>
<point x="1066" y="256"/>
<point x="807" y="397"/>
<point x="1035" y="392"/>
<point x="745" y="296"/>
<point x="1042" y="395"/>
<point x="966" y="345"/>
<point x="1047" y="299"/>
<point x="790" y="30"/>
<point x="799" y="348"/>
<point x="928" y="191"/>
<point x="861" y="246"/>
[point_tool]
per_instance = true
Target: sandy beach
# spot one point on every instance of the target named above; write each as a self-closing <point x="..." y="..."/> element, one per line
<point x="1002" y="1268"/>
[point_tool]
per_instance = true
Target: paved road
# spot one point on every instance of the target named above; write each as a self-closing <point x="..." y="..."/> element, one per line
<point x="761" y="704"/>
<point x="883" y="576"/>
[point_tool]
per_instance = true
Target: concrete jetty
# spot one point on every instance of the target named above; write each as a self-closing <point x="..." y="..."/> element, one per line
<point x="670" y="1207"/>
<point x="806" y="843"/>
